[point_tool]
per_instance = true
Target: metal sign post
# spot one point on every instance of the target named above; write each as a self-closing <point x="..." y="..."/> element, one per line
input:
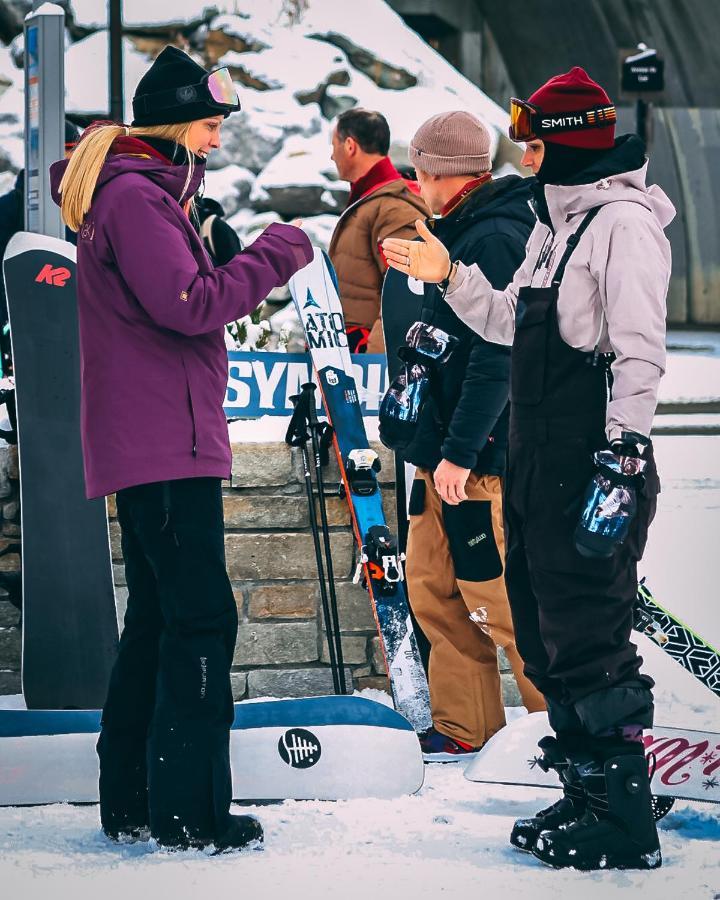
<point x="44" y="114"/>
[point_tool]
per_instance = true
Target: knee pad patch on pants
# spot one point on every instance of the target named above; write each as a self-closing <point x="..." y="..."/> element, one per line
<point x="472" y="540"/>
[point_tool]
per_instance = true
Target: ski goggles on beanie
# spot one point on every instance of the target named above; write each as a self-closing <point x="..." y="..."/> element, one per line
<point x="216" y="91"/>
<point x="527" y="122"/>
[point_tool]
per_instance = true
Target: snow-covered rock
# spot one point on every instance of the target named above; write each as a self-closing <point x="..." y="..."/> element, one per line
<point x="291" y="62"/>
<point x="297" y="65"/>
<point x="296" y="182"/>
<point x="12" y="119"/>
<point x="7" y="182"/>
<point x="141" y="14"/>
<point x="9" y="72"/>
<point x="230" y="186"/>
<point x="383" y="73"/>
<point x="319" y="229"/>
<point x="257" y="133"/>
<point x="86" y="82"/>
<point x="226" y="34"/>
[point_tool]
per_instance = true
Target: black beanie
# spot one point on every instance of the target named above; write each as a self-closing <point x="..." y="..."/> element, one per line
<point x="154" y="102"/>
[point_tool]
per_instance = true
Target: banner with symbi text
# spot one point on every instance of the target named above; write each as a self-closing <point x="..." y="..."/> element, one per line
<point x="260" y="383"/>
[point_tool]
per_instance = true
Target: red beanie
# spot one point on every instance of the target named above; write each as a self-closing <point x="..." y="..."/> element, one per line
<point x="575" y="91"/>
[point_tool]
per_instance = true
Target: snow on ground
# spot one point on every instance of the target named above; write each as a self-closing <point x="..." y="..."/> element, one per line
<point x="450" y="839"/>
<point x="693" y="368"/>
<point x="691" y="377"/>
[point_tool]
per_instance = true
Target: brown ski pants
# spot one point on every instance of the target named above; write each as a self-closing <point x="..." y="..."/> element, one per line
<point x="455" y="563"/>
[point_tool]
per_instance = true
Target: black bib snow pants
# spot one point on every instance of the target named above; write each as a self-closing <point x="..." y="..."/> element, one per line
<point x="572" y="615"/>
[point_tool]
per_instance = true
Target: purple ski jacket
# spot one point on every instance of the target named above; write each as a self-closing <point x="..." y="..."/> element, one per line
<point x="152" y="310"/>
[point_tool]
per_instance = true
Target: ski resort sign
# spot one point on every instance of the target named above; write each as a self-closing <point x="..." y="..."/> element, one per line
<point x="262" y="383"/>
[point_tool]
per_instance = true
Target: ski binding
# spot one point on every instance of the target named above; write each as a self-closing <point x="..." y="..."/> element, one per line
<point x="361" y="467"/>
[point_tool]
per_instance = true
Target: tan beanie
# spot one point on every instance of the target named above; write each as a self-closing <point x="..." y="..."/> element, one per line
<point x="451" y="143"/>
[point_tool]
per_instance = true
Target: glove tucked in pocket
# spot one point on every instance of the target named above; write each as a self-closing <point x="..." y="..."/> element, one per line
<point x="610" y="504"/>
<point x="427" y="348"/>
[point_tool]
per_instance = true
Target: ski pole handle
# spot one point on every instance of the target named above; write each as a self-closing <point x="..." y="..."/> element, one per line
<point x="308" y="390"/>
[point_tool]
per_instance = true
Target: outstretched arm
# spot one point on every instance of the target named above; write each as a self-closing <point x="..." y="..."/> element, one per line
<point x="490" y="313"/>
<point x="157" y="264"/>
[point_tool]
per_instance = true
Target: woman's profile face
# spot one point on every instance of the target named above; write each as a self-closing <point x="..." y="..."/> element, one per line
<point x="533" y="156"/>
<point x="204" y="135"/>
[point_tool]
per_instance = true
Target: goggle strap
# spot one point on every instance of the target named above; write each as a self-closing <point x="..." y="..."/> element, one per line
<point x="189" y="93"/>
<point x="598" y="117"/>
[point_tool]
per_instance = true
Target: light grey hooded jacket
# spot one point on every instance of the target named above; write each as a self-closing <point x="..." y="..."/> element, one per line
<point x="613" y="294"/>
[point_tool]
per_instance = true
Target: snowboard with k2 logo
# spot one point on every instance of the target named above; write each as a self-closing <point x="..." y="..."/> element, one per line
<point x="70" y="632"/>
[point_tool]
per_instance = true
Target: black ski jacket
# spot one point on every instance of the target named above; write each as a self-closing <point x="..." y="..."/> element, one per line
<point x="466" y="421"/>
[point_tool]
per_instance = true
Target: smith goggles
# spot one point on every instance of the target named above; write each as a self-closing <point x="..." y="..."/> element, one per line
<point x="527" y="122"/>
<point x="216" y="90"/>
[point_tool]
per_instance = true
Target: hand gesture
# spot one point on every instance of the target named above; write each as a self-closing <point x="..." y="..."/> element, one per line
<point x="426" y="260"/>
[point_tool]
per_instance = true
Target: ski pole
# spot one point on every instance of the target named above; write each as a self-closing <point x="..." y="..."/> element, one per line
<point x="315" y="429"/>
<point x="297" y="436"/>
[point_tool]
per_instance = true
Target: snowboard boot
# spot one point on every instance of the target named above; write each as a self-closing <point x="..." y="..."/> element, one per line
<point x="243" y="832"/>
<point x="240" y="833"/>
<point x="564" y="811"/>
<point x="617" y="829"/>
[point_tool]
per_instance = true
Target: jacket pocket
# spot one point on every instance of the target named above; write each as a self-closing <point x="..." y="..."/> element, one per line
<point x="191" y="408"/>
<point x="472" y="541"/>
<point x="416" y="506"/>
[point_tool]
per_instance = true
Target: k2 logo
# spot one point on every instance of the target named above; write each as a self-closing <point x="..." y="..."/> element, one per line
<point x="56" y="277"/>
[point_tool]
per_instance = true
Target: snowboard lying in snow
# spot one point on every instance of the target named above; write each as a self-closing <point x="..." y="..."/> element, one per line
<point x="687" y="762"/>
<point x="321" y="748"/>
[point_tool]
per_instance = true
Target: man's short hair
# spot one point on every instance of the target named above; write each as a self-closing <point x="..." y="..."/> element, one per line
<point x="369" y="128"/>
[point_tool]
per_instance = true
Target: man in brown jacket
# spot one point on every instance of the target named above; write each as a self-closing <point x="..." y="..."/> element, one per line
<point x="382" y="204"/>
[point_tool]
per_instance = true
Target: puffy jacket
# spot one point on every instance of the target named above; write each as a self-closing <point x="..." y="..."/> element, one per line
<point x="152" y="311"/>
<point x="390" y="211"/>
<point x="615" y="286"/>
<point x="466" y="422"/>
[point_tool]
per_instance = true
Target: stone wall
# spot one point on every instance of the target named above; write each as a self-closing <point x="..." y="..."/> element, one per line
<point x="281" y="649"/>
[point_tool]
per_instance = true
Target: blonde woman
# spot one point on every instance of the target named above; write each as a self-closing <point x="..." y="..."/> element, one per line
<point x="152" y="311"/>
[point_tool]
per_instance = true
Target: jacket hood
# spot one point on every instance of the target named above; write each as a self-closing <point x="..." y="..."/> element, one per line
<point x="509" y="197"/>
<point x="170" y="178"/>
<point x="620" y="175"/>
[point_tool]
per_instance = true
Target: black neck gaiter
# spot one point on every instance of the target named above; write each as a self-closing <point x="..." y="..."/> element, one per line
<point x="563" y="165"/>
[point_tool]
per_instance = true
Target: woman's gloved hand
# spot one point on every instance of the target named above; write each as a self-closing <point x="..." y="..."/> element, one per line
<point x="426" y="260"/>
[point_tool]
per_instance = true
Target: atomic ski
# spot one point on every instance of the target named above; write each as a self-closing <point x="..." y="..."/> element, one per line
<point x="315" y="294"/>
<point x="676" y="639"/>
<point x="70" y="632"/>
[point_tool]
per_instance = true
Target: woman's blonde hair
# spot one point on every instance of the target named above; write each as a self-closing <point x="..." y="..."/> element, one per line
<point x="80" y="179"/>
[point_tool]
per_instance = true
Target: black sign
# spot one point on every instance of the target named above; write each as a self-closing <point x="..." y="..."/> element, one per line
<point x="299" y="748"/>
<point x="643" y="72"/>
